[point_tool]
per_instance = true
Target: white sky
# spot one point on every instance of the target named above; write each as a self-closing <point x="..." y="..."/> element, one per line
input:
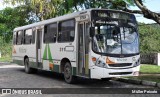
<point x="2" y="6"/>
<point x="153" y="5"/>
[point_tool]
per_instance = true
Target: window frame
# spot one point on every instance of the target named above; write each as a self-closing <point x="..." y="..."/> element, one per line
<point x="59" y="28"/>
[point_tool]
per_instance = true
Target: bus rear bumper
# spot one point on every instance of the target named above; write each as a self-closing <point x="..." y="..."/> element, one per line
<point x="98" y="72"/>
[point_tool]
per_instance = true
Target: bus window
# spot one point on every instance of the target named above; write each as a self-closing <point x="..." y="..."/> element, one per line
<point x="14" y="38"/>
<point x="50" y="33"/>
<point x="28" y="36"/>
<point x="66" y="31"/>
<point x="19" y="37"/>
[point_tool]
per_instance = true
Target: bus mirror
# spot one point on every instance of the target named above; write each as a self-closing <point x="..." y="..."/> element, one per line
<point x="92" y="31"/>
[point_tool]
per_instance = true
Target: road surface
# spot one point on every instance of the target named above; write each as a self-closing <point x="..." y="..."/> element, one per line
<point x="13" y="76"/>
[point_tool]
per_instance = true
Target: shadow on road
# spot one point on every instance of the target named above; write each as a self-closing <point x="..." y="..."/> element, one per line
<point x="82" y="82"/>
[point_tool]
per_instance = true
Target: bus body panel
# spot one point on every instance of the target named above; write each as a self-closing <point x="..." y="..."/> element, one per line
<point x="98" y="72"/>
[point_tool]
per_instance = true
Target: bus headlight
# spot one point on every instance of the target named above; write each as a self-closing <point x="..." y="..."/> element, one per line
<point x="99" y="63"/>
<point x="136" y="63"/>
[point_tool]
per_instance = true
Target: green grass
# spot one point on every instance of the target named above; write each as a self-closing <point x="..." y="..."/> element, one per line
<point x="148" y="72"/>
<point x="148" y="77"/>
<point x="149" y="69"/>
<point x="5" y="59"/>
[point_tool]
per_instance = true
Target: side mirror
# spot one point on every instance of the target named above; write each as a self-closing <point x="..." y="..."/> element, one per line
<point x="92" y="31"/>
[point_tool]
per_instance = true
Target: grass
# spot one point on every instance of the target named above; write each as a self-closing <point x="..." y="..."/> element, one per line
<point x="148" y="77"/>
<point x="148" y="72"/>
<point x="149" y="69"/>
<point x="5" y="59"/>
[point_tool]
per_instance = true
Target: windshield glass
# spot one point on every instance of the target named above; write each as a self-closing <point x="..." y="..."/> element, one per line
<point x="115" y="39"/>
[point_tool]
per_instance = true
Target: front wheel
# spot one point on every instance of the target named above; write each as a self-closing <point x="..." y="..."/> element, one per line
<point x="68" y="73"/>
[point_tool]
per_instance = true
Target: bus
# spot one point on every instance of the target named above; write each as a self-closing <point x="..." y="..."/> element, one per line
<point x="93" y="43"/>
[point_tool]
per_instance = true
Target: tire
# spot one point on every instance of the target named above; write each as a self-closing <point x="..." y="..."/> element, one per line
<point x="28" y="69"/>
<point x="68" y="73"/>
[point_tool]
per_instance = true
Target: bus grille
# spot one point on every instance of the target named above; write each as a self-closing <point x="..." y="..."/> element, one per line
<point x="120" y="65"/>
<point x="120" y="73"/>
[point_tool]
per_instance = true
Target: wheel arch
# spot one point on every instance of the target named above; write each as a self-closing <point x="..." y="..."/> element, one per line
<point x="62" y="64"/>
<point x="25" y="57"/>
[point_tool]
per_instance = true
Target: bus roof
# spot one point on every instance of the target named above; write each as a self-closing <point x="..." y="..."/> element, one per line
<point x="61" y="18"/>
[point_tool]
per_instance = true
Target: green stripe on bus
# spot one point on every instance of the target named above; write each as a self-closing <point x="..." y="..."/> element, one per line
<point x="45" y="53"/>
<point x="49" y="55"/>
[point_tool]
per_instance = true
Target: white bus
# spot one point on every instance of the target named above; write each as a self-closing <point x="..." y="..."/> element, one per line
<point x="94" y="43"/>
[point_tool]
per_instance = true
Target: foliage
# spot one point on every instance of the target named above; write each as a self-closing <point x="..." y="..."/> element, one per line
<point x="5" y="48"/>
<point x="11" y="18"/>
<point x="86" y="4"/>
<point x="149" y="38"/>
<point x="41" y="9"/>
<point x="6" y="59"/>
<point x="45" y="9"/>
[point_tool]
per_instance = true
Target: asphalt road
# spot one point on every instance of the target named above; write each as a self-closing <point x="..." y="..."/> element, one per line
<point x="13" y="76"/>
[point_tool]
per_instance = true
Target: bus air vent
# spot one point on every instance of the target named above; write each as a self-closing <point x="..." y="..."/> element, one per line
<point x="120" y="73"/>
<point x="120" y="65"/>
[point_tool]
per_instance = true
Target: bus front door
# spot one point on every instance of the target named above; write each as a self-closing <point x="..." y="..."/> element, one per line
<point x="38" y="48"/>
<point x="83" y="45"/>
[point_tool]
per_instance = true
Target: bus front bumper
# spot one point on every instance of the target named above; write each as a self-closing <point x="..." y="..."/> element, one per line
<point x="98" y="72"/>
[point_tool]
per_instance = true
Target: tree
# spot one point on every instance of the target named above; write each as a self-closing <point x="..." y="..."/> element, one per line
<point x="43" y="9"/>
<point x="149" y="34"/>
<point x="145" y="11"/>
<point x="86" y="4"/>
<point x="11" y="18"/>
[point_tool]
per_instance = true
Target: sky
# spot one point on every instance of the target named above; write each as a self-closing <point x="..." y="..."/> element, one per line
<point x="153" y="5"/>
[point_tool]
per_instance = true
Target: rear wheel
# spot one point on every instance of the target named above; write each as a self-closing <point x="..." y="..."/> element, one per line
<point x="68" y="73"/>
<point x="28" y="69"/>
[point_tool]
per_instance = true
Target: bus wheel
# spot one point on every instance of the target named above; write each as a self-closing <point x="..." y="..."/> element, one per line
<point x="28" y="69"/>
<point x="68" y="73"/>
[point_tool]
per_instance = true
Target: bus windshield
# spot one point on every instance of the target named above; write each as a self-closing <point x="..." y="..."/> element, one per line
<point x="114" y="39"/>
<point x="115" y="32"/>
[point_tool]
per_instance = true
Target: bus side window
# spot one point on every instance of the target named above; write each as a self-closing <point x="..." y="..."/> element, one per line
<point x="50" y="33"/>
<point x="28" y="36"/>
<point x="66" y="31"/>
<point x="19" y="37"/>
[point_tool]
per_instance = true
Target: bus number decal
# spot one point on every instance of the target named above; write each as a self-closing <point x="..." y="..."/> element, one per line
<point x="22" y="50"/>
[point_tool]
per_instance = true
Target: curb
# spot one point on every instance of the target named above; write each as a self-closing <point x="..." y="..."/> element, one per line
<point x="139" y="82"/>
